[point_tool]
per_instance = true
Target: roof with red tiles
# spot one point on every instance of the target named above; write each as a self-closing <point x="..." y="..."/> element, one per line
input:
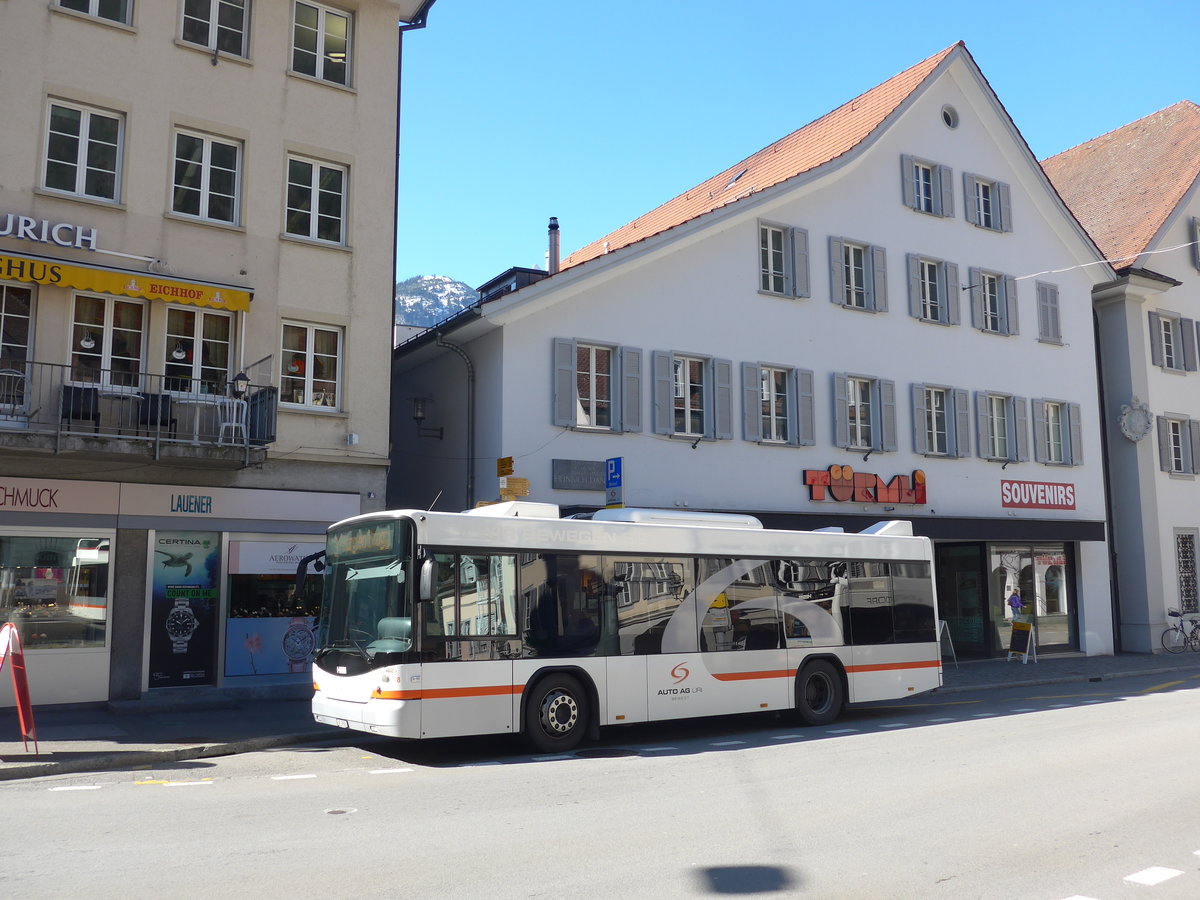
<point x="1122" y="186"/>
<point x="817" y="143"/>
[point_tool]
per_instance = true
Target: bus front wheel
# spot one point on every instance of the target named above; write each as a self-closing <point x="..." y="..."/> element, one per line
<point x="556" y="716"/>
<point x="820" y="694"/>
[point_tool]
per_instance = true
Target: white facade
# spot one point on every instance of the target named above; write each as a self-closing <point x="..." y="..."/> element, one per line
<point x="694" y="291"/>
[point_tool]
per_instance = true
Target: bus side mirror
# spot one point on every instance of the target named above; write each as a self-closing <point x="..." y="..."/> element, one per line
<point x="425" y="588"/>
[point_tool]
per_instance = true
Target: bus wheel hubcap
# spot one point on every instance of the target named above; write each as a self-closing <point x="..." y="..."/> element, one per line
<point x="560" y="712"/>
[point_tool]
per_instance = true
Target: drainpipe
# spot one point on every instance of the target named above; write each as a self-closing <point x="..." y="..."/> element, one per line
<point x="470" y="416"/>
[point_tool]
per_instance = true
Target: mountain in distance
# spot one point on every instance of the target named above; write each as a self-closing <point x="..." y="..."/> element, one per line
<point x="425" y="300"/>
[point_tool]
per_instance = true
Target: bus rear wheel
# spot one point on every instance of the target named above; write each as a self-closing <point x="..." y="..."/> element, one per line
<point x="820" y="694"/>
<point x="556" y="716"/>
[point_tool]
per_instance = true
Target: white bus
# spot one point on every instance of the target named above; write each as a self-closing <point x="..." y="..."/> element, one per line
<point x="509" y="619"/>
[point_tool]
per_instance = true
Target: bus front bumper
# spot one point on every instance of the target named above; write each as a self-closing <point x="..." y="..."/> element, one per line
<point x="392" y="718"/>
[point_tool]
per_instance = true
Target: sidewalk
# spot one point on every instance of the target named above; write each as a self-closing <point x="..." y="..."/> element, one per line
<point x="147" y="733"/>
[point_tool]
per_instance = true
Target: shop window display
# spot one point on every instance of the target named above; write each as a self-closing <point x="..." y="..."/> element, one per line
<point x="270" y="628"/>
<point x="55" y="590"/>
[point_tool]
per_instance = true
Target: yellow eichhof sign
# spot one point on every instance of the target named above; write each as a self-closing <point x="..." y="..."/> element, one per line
<point x="128" y="284"/>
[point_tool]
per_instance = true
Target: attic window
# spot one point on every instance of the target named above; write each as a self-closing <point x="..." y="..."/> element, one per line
<point x="731" y="181"/>
<point x="950" y="116"/>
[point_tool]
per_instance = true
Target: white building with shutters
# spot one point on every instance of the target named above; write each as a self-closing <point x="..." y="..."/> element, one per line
<point x="1137" y="190"/>
<point x="885" y="314"/>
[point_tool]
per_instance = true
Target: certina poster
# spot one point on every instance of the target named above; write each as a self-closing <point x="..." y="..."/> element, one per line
<point x="186" y="572"/>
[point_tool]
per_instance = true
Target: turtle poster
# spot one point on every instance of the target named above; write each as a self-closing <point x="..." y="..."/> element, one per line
<point x="184" y="579"/>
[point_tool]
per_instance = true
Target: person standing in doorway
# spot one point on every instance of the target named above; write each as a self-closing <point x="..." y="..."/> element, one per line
<point x="1014" y="602"/>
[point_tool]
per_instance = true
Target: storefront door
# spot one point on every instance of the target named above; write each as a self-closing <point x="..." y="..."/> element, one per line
<point x="1042" y="572"/>
<point x="962" y="596"/>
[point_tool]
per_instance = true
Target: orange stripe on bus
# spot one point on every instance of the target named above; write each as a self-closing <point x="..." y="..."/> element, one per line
<point x="448" y="693"/>
<point x="887" y="667"/>
<point x="743" y="676"/>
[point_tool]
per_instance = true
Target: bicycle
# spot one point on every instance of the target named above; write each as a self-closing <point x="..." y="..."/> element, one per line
<point x="1177" y="637"/>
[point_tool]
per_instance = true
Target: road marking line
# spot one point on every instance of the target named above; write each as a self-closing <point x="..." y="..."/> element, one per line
<point x="1079" y="897"/>
<point x="1023" y="709"/>
<point x="1153" y="875"/>
<point x="290" y="777"/>
<point x="186" y="783"/>
<point x="1059" y="705"/>
<point x="657" y="749"/>
<point x="387" y="771"/>
<point x="942" y="719"/>
<point x="551" y="758"/>
<point x="787" y="737"/>
<point x="78" y="787"/>
<point x="725" y="743"/>
<point x="1160" y="687"/>
<point x="982" y="715"/>
<point x="150" y="782"/>
<point x="841" y="731"/>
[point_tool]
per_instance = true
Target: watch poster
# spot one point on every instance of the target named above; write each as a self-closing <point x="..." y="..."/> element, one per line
<point x="185" y="575"/>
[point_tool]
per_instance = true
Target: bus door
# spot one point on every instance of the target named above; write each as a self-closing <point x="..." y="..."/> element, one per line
<point x="741" y="638"/>
<point x="469" y="641"/>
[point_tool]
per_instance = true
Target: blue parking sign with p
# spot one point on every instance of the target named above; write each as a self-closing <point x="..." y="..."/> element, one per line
<point x="612" y="482"/>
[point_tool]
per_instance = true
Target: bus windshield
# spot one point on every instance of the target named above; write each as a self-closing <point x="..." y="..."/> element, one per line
<point x="366" y="611"/>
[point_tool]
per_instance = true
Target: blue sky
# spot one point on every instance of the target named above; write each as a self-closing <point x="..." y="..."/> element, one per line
<point x="596" y="112"/>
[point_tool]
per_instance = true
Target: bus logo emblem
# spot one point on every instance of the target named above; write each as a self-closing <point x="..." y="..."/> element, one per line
<point x="680" y="672"/>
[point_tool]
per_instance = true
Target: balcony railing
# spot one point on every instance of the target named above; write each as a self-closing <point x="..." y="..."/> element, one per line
<point x="185" y="416"/>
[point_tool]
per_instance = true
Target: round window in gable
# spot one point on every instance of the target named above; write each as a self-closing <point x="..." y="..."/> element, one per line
<point x="950" y="116"/>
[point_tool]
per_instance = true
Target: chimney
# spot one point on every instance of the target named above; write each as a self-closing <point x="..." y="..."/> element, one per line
<point x="552" y="267"/>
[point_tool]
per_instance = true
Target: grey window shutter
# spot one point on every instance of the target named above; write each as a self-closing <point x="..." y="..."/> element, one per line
<point x="841" y="415"/>
<point x="800" y="281"/>
<point x="1075" y="429"/>
<point x="887" y="416"/>
<point x="982" y="428"/>
<point x="1187" y="331"/>
<point x="1048" y="324"/>
<point x="837" y="284"/>
<point x="1005" y="195"/>
<point x="751" y="402"/>
<point x="961" y="433"/>
<point x="1164" y="444"/>
<point x="805" y="421"/>
<point x="1194" y="434"/>
<point x="631" y="389"/>
<point x="945" y="186"/>
<point x="908" y="181"/>
<point x="879" y="299"/>
<point x="722" y="418"/>
<point x="1156" y="350"/>
<point x="920" y="444"/>
<point x="1021" y="418"/>
<point x="664" y="392"/>
<point x="953" y="288"/>
<point x="564" y="401"/>
<point x="792" y="402"/>
<point x="1040" y="447"/>
<point x="976" y="289"/>
<point x="1010" y="305"/>
<point x="1196" y="243"/>
<point x="971" y="208"/>
<point x="914" y="285"/>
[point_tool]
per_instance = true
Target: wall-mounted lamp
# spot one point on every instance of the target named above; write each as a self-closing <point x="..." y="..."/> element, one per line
<point x="868" y="453"/>
<point x="1005" y="466"/>
<point x="239" y="384"/>
<point x="419" y="417"/>
<point x="88" y="341"/>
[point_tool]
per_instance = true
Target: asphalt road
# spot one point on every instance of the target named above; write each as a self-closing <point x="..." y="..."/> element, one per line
<point x="1064" y="791"/>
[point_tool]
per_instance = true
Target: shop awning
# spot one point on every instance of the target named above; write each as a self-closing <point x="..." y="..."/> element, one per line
<point x="122" y="282"/>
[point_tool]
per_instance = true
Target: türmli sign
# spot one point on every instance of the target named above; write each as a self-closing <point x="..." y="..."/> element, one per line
<point x="843" y="483"/>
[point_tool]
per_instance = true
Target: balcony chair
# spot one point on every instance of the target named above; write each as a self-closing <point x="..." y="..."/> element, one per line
<point x="156" y="414"/>
<point x="232" y="412"/>
<point x="80" y="403"/>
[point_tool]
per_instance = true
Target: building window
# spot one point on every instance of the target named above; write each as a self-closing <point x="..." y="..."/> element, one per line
<point x="113" y="10"/>
<point x="597" y="386"/>
<point x="692" y="396"/>
<point x="777" y="404"/>
<point x="941" y="420"/>
<point x="927" y="187"/>
<point x="993" y="302"/>
<point x="16" y="327"/>
<point x="1185" y="560"/>
<point x="858" y="275"/>
<point x="783" y="260"/>
<point x="1049" y="329"/>
<point x="1178" y="444"/>
<point x="988" y="203"/>
<point x="864" y="412"/>
<point x="316" y="200"/>
<point x="933" y="290"/>
<point x="1172" y="342"/>
<point x="83" y="152"/>
<point x="107" y="340"/>
<point x="311" y="365"/>
<point x="216" y="25"/>
<point x="1057" y="437"/>
<point x="198" y="351"/>
<point x="207" y="176"/>
<point x="1003" y="428"/>
<point x="321" y="43"/>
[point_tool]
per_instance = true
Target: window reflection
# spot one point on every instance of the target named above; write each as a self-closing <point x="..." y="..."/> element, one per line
<point x="55" y="590"/>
